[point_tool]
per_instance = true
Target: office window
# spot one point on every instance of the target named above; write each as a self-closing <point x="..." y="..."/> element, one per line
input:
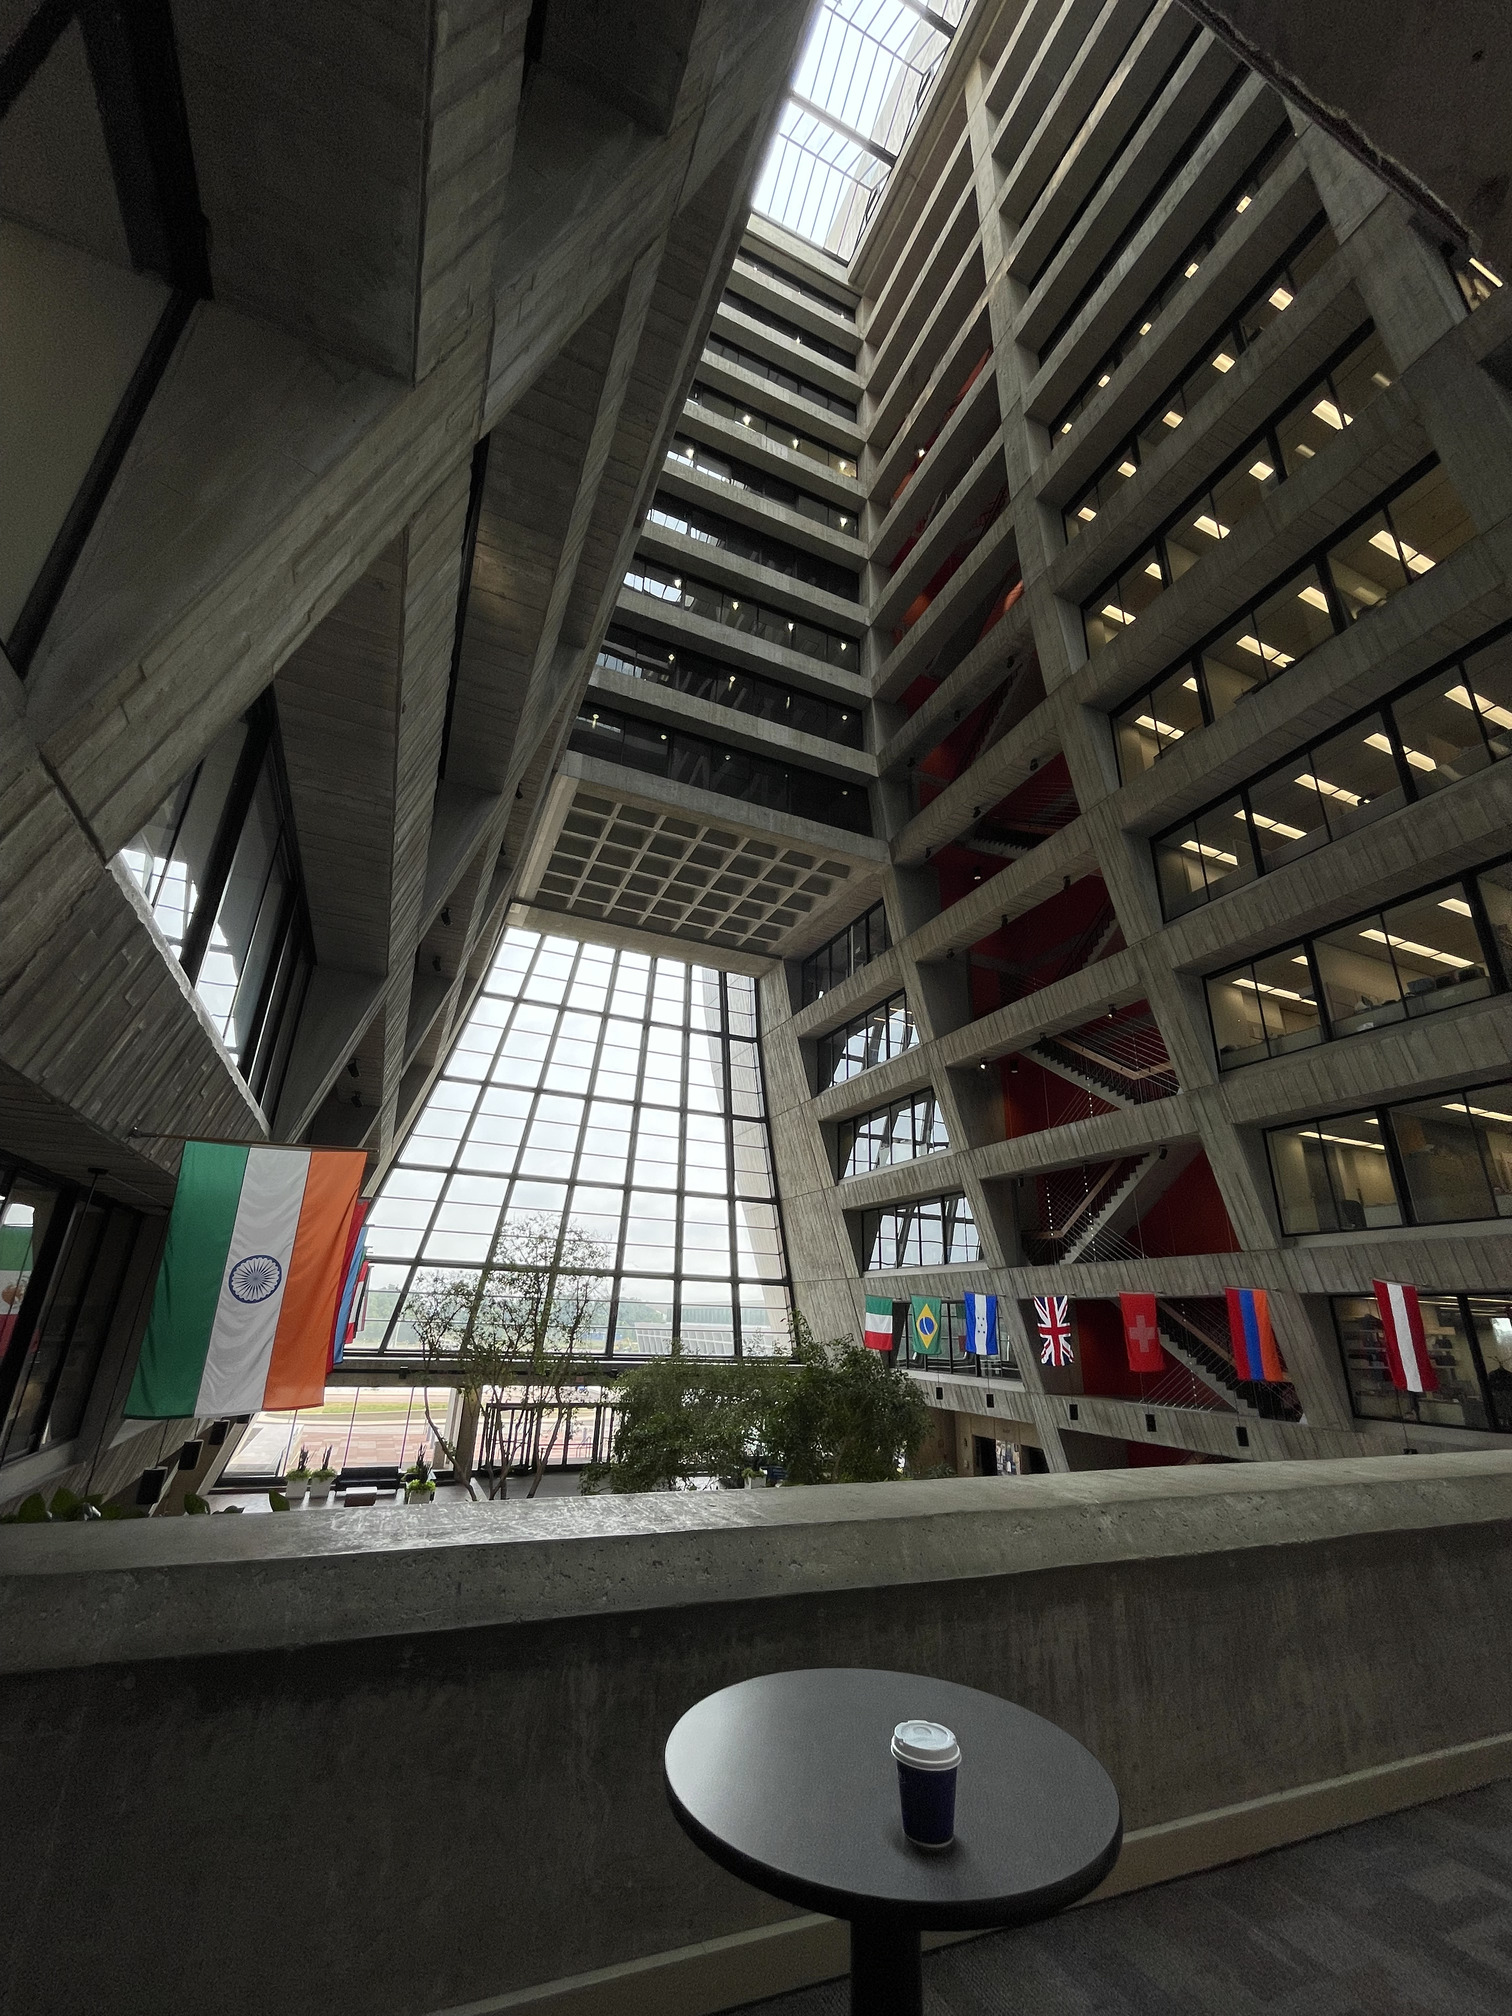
<point x="613" y="737"/>
<point x="1286" y="443"/>
<point x="863" y="940"/>
<point x="1334" y="1175"/>
<point x="934" y="1232"/>
<point x="63" y="1255"/>
<point x="1429" y="952"/>
<point x="1469" y="1340"/>
<point x="636" y="656"/>
<point x="1431" y="1161"/>
<point x="900" y="1132"/>
<point x="739" y="612"/>
<point x="622" y="1094"/>
<point x="777" y="431"/>
<point x="1393" y="545"/>
<point x="886" y="1030"/>
<point x="219" y="866"/>
<point x="1441" y="728"/>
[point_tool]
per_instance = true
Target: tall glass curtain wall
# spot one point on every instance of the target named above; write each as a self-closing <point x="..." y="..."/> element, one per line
<point x="63" y="1256"/>
<point x="622" y="1094"/>
<point x="219" y="865"/>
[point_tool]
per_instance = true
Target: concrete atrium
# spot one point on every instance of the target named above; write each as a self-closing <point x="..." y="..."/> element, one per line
<point x="858" y="653"/>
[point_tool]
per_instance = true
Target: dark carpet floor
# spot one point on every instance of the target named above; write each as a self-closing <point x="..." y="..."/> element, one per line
<point x="1398" y="1917"/>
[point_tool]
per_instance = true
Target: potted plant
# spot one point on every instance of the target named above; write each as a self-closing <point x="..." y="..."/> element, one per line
<point x="419" y="1482"/>
<point x="298" y="1479"/>
<point x="321" y="1481"/>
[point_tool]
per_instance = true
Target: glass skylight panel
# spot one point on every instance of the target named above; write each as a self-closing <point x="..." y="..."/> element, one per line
<point x="860" y="80"/>
<point x="621" y="1093"/>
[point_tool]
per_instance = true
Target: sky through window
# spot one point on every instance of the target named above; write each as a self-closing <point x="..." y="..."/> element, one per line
<point x="861" y="77"/>
<point x="622" y="1093"/>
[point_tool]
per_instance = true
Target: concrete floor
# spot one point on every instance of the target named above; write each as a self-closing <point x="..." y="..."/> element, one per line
<point x="1404" y="1915"/>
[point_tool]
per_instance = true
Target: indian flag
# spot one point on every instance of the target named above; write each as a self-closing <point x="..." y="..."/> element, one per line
<point x="249" y="1281"/>
<point x="878" y="1334"/>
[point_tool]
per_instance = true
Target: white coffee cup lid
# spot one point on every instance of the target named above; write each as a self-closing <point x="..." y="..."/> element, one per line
<point x="929" y="1745"/>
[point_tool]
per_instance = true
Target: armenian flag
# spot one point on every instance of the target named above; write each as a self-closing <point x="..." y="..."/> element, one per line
<point x="1250" y="1333"/>
<point x="249" y="1283"/>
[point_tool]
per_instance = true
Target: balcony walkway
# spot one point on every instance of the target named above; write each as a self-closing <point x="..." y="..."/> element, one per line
<point x="1399" y="1917"/>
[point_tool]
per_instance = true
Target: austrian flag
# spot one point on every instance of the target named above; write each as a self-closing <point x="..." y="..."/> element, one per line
<point x="1407" y="1357"/>
<point x="1052" y="1316"/>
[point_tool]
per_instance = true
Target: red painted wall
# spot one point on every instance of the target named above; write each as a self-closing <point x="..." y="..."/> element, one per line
<point x="1104" y="1360"/>
<point x="1189" y="1218"/>
<point x="1034" y="1098"/>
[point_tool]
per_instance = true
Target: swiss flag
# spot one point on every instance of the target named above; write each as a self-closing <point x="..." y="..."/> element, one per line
<point x="1141" y="1333"/>
<point x="1407" y="1357"/>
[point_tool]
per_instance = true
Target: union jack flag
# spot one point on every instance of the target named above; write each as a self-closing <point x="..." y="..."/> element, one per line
<point x="1052" y="1315"/>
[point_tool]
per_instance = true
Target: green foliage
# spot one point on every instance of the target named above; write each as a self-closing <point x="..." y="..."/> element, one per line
<point x="684" y="1418"/>
<point x="278" y="1501"/>
<point x="194" y="1505"/>
<point x="838" y="1414"/>
<point x="843" y="1415"/>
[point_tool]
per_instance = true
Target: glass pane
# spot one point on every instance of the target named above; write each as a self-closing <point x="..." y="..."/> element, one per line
<point x="1201" y="859"/>
<point x="1429" y="521"/>
<point x="1292" y="621"/>
<point x="1355" y="774"/>
<point x="1368" y="566"/>
<point x="1456" y="1404"/>
<point x="1333" y="1175"/>
<point x="1491" y="1316"/>
<point x="1440" y="726"/>
<point x="1288" y="815"/>
<point x="1438" y="1141"/>
<point x="1233" y="665"/>
<point x="1364" y="373"/>
<point x="1496" y="894"/>
<point x="1437" y="951"/>
<point x="1238" y="493"/>
<point x="1488" y="679"/>
<point x="1361" y="986"/>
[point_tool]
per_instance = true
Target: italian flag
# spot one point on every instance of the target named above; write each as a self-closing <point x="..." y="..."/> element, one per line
<point x="878" y="1335"/>
<point x="249" y="1283"/>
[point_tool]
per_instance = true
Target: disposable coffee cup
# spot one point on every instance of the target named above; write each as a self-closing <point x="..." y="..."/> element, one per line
<point x="927" y="1756"/>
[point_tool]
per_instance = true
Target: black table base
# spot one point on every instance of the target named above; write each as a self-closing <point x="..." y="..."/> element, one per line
<point x="886" y="1976"/>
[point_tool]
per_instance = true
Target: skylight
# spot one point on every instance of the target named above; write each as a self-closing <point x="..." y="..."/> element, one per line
<point x="859" y="83"/>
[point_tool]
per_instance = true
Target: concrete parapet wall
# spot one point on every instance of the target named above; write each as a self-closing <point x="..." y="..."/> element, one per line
<point x="413" y="1759"/>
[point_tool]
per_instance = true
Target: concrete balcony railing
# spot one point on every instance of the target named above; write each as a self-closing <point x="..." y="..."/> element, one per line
<point x="402" y="1761"/>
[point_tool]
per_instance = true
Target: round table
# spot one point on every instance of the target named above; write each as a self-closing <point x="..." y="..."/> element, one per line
<point x="788" y="1782"/>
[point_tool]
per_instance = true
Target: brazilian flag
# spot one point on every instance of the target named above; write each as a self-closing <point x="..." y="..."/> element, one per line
<point x="926" y="1325"/>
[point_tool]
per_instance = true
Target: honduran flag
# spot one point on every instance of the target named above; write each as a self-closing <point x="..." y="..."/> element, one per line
<point x="249" y="1283"/>
<point x="1250" y="1333"/>
<point x="878" y="1334"/>
<point x="981" y="1326"/>
<point x="1407" y="1357"/>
